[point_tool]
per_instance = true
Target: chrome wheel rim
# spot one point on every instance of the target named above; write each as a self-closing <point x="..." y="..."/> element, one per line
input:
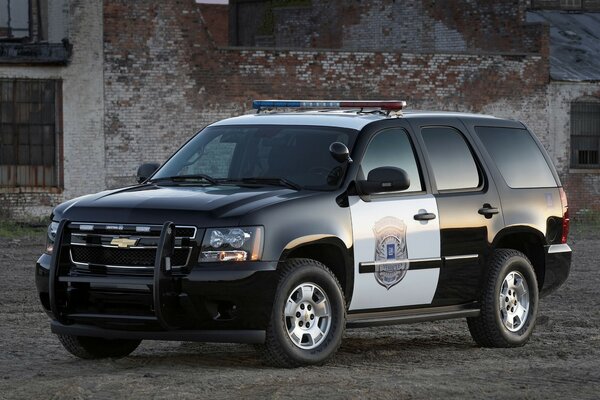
<point x="307" y="316"/>
<point x="514" y="301"/>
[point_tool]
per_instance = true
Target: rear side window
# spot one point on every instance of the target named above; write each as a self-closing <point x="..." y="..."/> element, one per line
<point x="517" y="156"/>
<point x="451" y="160"/>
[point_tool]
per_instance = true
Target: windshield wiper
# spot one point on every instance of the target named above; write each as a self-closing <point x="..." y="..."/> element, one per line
<point x="181" y="178"/>
<point x="268" y="181"/>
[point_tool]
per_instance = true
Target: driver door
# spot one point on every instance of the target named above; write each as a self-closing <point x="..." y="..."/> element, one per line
<point x="396" y="235"/>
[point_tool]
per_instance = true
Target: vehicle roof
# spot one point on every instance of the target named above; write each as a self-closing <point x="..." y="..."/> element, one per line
<point x="351" y="119"/>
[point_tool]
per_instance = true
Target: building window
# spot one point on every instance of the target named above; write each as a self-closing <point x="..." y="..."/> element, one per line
<point x="14" y="19"/>
<point x="585" y="134"/>
<point x="30" y="133"/>
<point x="570" y="4"/>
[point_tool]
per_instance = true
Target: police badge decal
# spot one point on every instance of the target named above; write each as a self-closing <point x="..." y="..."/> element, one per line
<point x="391" y="255"/>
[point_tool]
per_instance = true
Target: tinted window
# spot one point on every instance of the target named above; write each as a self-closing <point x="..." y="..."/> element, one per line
<point x="451" y="159"/>
<point x="517" y="156"/>
<point x="392" y="148"/>
<point x="232" y="153"/>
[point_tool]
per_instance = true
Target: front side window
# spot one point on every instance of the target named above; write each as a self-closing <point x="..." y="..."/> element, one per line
<point x="453" y="165"/>
<point x="29" y="133"/>
<point x="299" y="154"/>
<point x="392" y="148"/>
<point x="585" y="134"/>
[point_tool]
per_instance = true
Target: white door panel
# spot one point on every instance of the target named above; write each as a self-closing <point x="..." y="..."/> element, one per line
<point x="396" y="258"/>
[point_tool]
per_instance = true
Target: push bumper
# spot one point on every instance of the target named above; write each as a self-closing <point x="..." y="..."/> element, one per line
<point x="558" y="266"/>
<point x="220" y="302"/>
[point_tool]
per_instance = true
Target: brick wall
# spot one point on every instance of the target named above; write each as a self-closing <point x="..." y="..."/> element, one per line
<point x="166" y="75"/>
<point x="164" y="80"/>
<point x="83" y="109"/>
<point x="582" y="186"/>
<point x="389" y="25"/>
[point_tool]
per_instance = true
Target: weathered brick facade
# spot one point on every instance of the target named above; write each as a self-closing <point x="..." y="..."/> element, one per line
<point x="83" y="156"/>
<point x="167" y="72"/>
<point x="165" y="78"/>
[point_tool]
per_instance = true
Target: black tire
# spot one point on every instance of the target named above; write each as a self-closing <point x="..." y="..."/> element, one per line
<point x="91" y="348"/>
<point x="488" y="329"/>
<point x="279" y="349"/>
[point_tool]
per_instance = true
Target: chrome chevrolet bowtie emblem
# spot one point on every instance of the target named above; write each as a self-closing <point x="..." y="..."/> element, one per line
<point x="123" y="242"/>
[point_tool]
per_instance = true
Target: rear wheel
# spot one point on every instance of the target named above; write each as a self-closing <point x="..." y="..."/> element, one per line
<point x="93" y="348"/>
<point x="308" y="317"/>
<point x="509" y="302"/>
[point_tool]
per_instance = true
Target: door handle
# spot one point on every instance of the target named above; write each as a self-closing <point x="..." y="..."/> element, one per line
<point x="424" y="216"/>
<point x="488" y="211"/>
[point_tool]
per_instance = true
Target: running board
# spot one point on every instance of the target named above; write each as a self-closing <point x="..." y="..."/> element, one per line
<point x="216" y="336"/>
<point x="364" y="319"/>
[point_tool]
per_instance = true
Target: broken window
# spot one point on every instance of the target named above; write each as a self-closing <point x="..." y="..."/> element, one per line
<point x="29" y="133"/>
<point x="585" y="134"/>
<point x="14" y="19"/>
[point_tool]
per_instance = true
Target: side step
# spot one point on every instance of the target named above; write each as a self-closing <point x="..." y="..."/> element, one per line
<point x="221" y="336"/>
<point x="364" y="319"/>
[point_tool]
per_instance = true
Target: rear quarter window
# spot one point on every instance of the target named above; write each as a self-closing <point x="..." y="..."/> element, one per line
<point x="517" y="156"/>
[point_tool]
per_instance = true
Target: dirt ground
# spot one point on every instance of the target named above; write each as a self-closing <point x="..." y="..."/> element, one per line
<point x="427" y="360"/>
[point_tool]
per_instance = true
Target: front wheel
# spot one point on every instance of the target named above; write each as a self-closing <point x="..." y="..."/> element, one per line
<point x="308" y="317"/>
<point x="509" y="302"/>
<point x="93" y="348"/>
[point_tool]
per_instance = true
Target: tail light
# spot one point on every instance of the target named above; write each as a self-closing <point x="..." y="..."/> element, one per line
<point x="565" y="212"/>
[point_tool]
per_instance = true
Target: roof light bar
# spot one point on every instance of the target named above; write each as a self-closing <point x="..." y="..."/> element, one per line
<point x="388" y="105"/>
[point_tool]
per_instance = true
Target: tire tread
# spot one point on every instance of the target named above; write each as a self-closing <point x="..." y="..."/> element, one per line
<point x="273" y="350"/>
<point x="483" y="328"/>
<point x="90" y="348"/>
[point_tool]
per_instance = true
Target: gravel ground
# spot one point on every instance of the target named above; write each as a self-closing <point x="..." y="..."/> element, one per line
<point x="427" y="360"/>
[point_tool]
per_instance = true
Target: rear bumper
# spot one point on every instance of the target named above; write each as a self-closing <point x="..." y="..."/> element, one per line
<point x="558" y="266"/>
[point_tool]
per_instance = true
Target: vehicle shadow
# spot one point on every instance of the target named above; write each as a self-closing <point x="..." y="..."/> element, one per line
<point x="354" y="350"/>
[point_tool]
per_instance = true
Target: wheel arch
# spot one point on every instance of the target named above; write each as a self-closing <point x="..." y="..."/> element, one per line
<point x="330" y="251"/>
<point x="528" y="241"/>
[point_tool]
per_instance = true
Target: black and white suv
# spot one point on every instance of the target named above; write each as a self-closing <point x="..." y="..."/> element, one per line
<point x="284" y="228"/>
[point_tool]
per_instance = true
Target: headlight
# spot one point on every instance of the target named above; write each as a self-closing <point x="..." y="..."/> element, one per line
<point x="51" y="237"/>
<point x="232" y="244"/>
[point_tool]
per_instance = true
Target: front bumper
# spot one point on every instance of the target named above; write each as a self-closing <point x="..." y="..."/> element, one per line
<point x="218" y="302"/>
<point x="558" y="266"/>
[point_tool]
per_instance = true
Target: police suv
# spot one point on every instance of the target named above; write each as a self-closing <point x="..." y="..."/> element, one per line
<point x="285" y="228"/>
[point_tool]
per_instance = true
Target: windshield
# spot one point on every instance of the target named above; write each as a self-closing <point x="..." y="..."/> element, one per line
<point x="263" y="154"/>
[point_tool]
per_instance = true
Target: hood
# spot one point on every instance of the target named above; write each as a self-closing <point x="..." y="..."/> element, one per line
<point x="153" y="204"/>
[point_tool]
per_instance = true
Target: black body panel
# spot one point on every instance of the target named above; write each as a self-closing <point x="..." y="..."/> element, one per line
<point x="232" y="301"/>
<point x="466" y="235"/>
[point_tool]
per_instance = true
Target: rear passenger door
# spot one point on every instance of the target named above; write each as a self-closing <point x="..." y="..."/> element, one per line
<point x="469" y="208"/>
<point x="396" y="234"/>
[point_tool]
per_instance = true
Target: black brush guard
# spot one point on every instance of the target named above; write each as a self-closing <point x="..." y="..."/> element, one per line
<point x="163" y="288"/>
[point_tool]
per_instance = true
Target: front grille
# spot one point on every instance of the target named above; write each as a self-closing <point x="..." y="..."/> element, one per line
<point x="109" y="256"/>
<point x="93" y="247"/>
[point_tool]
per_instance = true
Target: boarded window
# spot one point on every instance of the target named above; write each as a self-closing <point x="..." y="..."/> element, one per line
<point x="14" y="19"/>
<point x="29" y="128"/>
<point x="585" y="134"/>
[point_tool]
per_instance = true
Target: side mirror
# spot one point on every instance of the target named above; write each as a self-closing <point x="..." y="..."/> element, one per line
<point x="145" y="171"/>
<point x="384" y="179"/>
<point x="340" y="152"/>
